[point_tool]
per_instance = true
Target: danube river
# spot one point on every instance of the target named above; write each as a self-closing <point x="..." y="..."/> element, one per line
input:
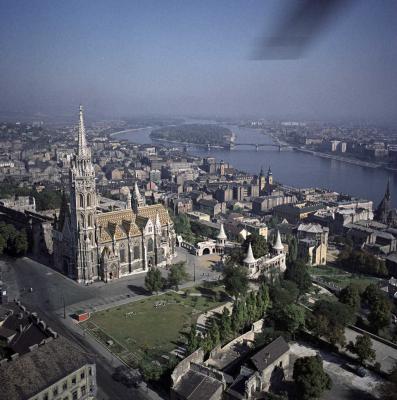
<point x="294" y="168"/>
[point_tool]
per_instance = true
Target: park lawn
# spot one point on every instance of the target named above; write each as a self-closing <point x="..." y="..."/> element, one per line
<point x="142" y="329"/>
<point x="340" y="277"/>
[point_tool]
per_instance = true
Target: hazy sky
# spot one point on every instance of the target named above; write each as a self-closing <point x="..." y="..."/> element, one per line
<point x="175" y="57"/>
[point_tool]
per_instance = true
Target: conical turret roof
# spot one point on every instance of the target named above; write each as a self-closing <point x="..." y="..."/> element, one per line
<point x="222" y="234"/>
<point x="249" y="259"/>
<point x="278" y="245"/>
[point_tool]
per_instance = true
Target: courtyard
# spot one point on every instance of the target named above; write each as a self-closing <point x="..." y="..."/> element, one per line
<point x="153" y="327"/>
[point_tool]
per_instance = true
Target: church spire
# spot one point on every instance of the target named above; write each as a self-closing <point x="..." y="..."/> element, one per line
<point x="82" y="141"/>
<point x="137" y="199"/>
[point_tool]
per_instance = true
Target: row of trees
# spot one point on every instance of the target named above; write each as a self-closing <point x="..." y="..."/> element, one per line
<point x="372" y="298"/>
<point x="362" y="262"/>
<point x="222" y="329"/>
<point x="12" y="241"/>
<point x="154" y="281"/>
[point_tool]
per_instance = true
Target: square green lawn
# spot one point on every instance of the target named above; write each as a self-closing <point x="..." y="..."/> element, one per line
<point x="148" y="330"/>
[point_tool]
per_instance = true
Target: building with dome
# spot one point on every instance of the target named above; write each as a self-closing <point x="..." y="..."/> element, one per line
<point x="92" y="244"/>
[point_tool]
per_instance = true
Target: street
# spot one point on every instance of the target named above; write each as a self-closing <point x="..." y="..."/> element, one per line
<point x="53" y="295"/>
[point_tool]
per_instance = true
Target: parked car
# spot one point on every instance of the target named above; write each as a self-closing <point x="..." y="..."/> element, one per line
<point x="356" y="369"/>
<point x="127" y="376"/>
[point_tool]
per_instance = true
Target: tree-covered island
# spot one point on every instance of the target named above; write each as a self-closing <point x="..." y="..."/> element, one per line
<point x="199" y="134"/>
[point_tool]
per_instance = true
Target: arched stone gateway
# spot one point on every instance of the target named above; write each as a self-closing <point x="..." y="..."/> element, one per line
<point x="206" y="251"/>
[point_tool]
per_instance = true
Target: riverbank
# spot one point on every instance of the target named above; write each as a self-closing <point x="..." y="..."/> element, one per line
<point x="132" y="130"/>
<point x="339" y="158"/>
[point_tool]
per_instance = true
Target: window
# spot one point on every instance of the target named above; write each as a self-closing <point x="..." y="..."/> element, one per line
<point x="82" y="220"/>
<point x="88" y="200"/>
<point x="82" y="375"/>
<point x="122" y="255"/>
<point x="81" y="197"/>
<point x="137" y="253"/>
<point x="55" y="391"/>
<point x="89" y="220"/>
<point x="74" y="395"/>
<point x="150" y="245"/>
<point x="83" y="391"/>
<point x="90" y="371"/>
<point x="64" y="386"/>
<point x="74" y="380"/>
<point x="45" y="396"/>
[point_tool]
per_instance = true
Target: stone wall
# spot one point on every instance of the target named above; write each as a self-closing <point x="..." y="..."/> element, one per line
<point x="197" y="357"/>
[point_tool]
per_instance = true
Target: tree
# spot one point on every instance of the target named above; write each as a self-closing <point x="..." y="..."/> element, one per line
<point x="292" y="249"/>
<point x="379" y="316"/>
<point x="259" y="245"/>
<point x="350" y="295"/>
<point x="283" y="294"/>
<point x="177" y="275"/>
<point x="291" y="318"/>
<point x="362" y="348"/>
<point x="360" y="261"/>
<point x="214" y="333"/>
<point x="20" y="244"/>
<point x="238" y="315"/>
<point x="370" y="294"/>
<point x="329" y="320"/>
<point x="193" y="341"/>
<point x="310" y="378"/>
<point x="297" y="272"/>
<point x="262" y="300"/>
<point x="235" y="279"/>
<point x="151" y="371"/>
<point x="379" y="306"/>
<point x="182" y="227"/>
<point x="153" y="280"/>
<point x="225" y="325"/>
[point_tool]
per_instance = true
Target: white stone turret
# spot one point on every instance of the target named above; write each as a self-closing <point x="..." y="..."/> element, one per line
<point x="278" y="246"/>
<point x="222" y="234"/>
<point x="249" y="259"/>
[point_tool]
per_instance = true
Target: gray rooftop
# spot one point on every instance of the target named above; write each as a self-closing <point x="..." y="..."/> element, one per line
<point x="32" y="372"/>
<point x="196" y="386"/>
<point x="263" y="358"/>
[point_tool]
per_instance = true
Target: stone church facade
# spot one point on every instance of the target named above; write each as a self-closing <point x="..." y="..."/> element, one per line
<point x="91" y="245"/>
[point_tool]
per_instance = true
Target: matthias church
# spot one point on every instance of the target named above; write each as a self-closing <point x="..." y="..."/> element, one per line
<point x="92" y="244"/>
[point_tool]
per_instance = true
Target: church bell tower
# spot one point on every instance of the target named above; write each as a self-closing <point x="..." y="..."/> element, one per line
<point x="83" y="202"/>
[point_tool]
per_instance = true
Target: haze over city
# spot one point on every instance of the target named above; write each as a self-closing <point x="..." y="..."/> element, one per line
<point x="193" y="57"/>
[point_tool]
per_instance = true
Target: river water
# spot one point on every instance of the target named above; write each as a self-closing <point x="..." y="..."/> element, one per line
<point x="294" y="168"/>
